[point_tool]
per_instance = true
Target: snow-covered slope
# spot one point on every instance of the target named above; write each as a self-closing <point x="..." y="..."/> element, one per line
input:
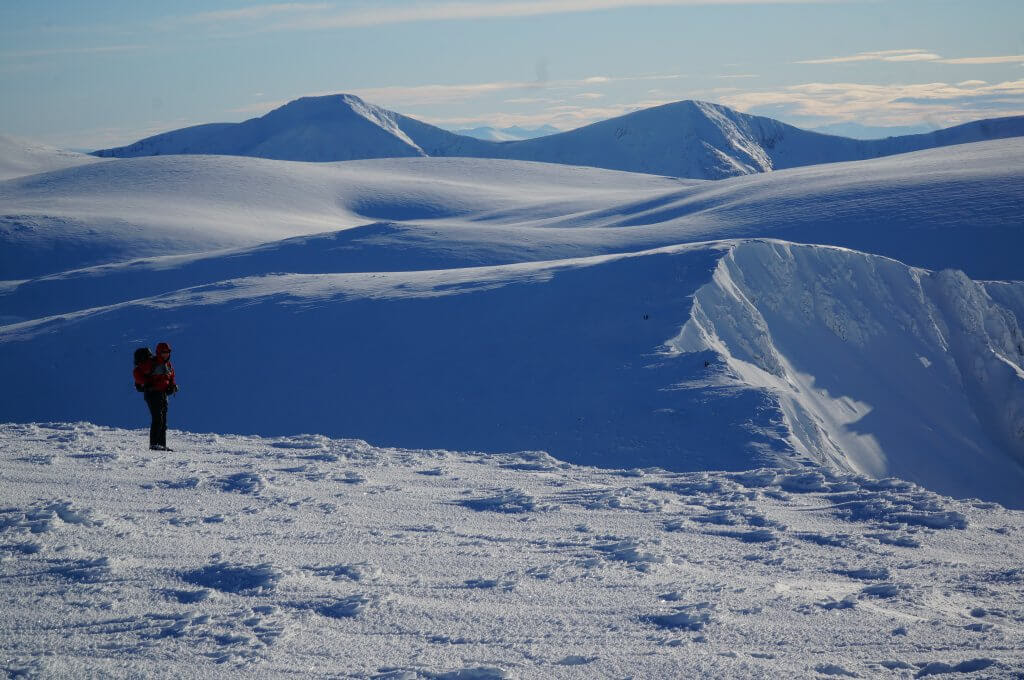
<point x="788" y="355"/>
<point x="958" y="207"/>
<point x="322" y="558"/>
<point x="691" y="139"/>
<point x="879" y="369"/>
<point x="146" y="207"/>
<point x="20" y="157"/>
<point x="496" y="305"/>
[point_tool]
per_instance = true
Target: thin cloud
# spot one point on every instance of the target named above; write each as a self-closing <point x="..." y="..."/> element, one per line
<point x="401" y="95"/>
<point x="915" y="55"/>
<point x="563" y="117"/>
<point x="32" y="54"/>
<point x="883" y="55"/>
<point x="887" y="104"/>
<point x="1013" y="59"/>
<point x="318" y="16"/>
<point x="419" y="95"/>
<point x="255" y="12"/>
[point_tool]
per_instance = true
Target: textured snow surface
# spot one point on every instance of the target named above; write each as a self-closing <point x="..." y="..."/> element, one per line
<point x="684" y="139"/>
<point x="271" y="557"/>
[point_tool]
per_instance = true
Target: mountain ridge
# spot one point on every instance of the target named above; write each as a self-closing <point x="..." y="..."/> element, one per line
<point x="691" y="139"/>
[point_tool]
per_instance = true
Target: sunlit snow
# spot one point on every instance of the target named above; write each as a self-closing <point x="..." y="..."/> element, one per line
<point x="490" y="418"/>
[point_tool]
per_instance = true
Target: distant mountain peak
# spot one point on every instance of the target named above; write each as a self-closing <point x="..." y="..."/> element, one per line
<point x="689" y="138"/>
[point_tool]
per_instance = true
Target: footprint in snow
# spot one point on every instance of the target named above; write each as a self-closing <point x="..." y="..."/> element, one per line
<point x="96" y="570"/>
<point x="631" y="552"/>
<point x="42" y="517"/>
<point x="233" y="578"/>
<point x="835" y="670"/>
<point x="183" y="483"/>
<point x="827" y="540"/>
<point x="510" y="501"/>
<point x="865" y="573"/>
<point x="941" y="668"/>
<point x="352" y="572"/>
<point x="752" y="536"/>
<point x="345" y="608"/>
<point x="688" y="617"/>
<point x="242" y="482"/>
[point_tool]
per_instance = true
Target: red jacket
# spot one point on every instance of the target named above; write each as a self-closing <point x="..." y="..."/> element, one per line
<point x="155" y="375"/>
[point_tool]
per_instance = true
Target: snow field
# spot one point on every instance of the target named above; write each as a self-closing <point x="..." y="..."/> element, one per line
<point x="726" y="355"/>
<point x="958" y="207"/>
<point x="270" y="556"/>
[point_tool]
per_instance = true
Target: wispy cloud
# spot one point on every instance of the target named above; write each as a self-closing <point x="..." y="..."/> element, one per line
<point x="255" y="12"/>
<point x="422" y="95"/>
<point x="32" y="54"/>
<point x="318" y="16"/>
<point x="564" y="117"/>
<point x="914" y="55"/>
<point x="1011" y="59"/>
<point x="883" y="55"/>
<point x="887" y="104"/>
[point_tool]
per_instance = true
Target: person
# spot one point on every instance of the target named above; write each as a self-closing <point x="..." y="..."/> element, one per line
<point x="155" y="378"/>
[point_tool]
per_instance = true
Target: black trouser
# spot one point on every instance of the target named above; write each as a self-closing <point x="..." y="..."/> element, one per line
<point x="157" y="403"/>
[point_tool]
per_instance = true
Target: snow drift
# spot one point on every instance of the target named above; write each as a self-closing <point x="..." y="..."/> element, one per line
<point x="678" y="357"/>
<point x="879" y="368"/>
<point x="692" y="139"/>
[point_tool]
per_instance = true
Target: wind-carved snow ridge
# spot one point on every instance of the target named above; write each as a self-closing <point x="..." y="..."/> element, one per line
<point x="381" y="117"/>
<point x="879" y="368"/>
<point x="740" y="137"/>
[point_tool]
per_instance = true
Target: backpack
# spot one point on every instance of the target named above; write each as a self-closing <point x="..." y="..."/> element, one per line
<point x="142" y="354"/>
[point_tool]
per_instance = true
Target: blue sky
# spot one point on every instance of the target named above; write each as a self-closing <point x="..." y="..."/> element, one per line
<point x="94" y="74"/>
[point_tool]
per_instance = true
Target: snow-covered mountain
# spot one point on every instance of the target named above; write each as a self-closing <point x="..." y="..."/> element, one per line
<point x="331" y="128"/>
<point x="679" y="402"/>
<point x="508" y="134"/>
<point x="608" y="318"/>
<point x="691" y="139"/>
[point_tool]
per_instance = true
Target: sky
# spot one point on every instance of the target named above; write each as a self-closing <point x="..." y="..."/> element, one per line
<point x="104" y="73"/>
